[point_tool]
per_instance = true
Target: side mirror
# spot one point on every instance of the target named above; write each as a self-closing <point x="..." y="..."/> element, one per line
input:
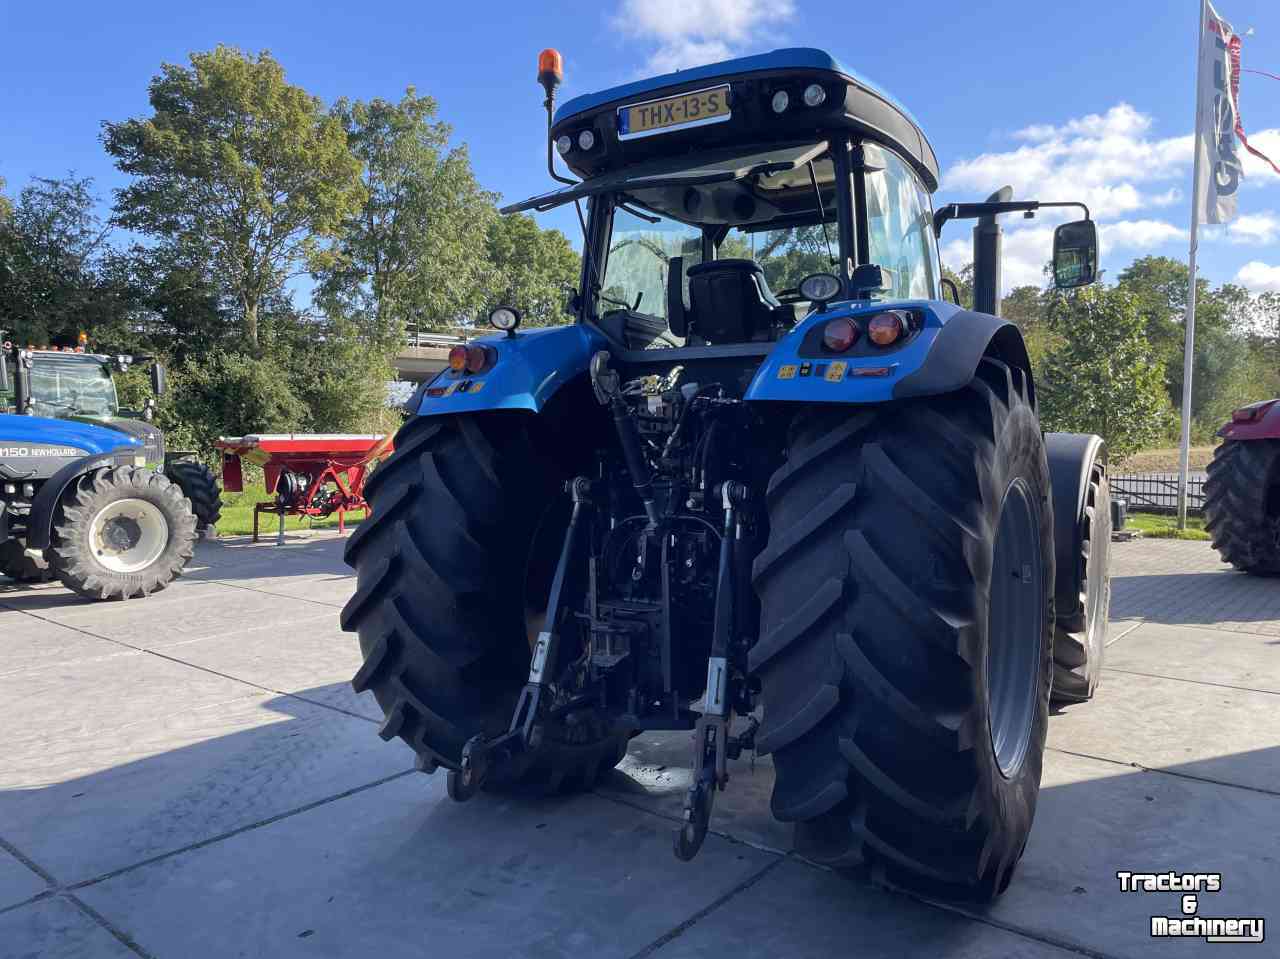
<point x="159" y="382"/>
<point x="1075" y="254"/>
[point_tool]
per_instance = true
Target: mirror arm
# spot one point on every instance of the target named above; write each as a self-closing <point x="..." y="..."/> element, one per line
<point x="1070" y="203"/>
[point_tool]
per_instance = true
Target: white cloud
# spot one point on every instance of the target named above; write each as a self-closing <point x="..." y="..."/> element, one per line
<point x="1257" y="172"/>
<point x="1252" y="229"/>
<point x="692" y="32"/>
<point x="1137" y="234"/>
<point x="1259" y="277"/>
<point x="1112" y="162"/>
<point x="1106" y="160"/>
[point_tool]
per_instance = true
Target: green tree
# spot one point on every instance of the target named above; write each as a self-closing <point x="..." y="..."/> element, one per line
<point x="415" y="251"/>
<point x="237" y="160"/>
<point x="1103" y="377"/>
<point x="1025" y="307"/>
<point x="529" y="268"/>
<point x="6" y="208"/>
<point x="231" y="394"/>
<point x="50" y="246"/>
<point x="963" y="281"/>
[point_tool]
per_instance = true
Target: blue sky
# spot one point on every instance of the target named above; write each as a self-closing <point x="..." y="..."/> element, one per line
<point x="1088" y="100"/>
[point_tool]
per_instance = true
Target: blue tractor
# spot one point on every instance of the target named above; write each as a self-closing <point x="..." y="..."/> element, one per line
<point x="773" y="484"/>
<point x="77" y="502"/>
<point x="75" y="384"/>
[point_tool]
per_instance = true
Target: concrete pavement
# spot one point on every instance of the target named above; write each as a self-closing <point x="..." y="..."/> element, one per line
<point x="193" y="776"/>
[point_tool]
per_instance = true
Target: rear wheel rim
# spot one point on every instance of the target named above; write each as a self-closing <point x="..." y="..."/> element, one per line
<point x="128" y="535"/>
<point x="1015" y="626"/>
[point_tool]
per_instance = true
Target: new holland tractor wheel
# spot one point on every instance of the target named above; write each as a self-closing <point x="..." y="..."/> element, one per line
<point x="1242" y="505"/>
<point x="121" y="532"/>
<point x="907" y="616"/>
<point x="200" y="487"/>
<point x="17" y="565"/>
<point x="451" y="569"/>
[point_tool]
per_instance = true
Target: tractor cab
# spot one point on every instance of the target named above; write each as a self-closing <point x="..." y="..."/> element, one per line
<point x="714" y="192"/>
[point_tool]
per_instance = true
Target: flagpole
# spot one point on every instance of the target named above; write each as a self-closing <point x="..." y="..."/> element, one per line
<point x="1189" y="343"/>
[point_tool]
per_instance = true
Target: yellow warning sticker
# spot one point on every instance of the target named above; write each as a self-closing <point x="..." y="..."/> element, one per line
<point x="835" y="372"/>
<point x="476" y="386"/>
<point x="787" y="372"/>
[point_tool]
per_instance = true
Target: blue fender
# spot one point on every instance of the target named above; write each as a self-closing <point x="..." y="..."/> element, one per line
<point x="940" y="357"/>
<point x="529" y="368"/>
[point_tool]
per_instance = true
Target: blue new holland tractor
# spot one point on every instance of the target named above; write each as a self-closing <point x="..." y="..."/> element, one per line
<point x="75" y="384"/>
<point x="77" y="502"/>
<point x="772" y="485"/>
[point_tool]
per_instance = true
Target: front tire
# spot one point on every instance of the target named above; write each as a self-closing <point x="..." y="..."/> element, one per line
<point x="439" y="607"/>
<point x="1080" y="634"/>
<point x="1242" y="505"/>
<point x="122" y="532"/>
<point x="905" y="650"/>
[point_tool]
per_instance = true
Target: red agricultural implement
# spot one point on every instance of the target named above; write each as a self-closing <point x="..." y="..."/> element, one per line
<point x="311" y="474"/>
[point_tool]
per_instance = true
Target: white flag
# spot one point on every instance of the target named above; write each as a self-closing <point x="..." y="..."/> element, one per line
<point x="1218" y="122"/>
<point x="1220" y="167"/>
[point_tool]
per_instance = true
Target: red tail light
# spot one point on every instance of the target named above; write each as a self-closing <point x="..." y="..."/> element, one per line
<point x="477" y="359"/>
<point x="840" y="334"/>
<point x="885" y="329"/>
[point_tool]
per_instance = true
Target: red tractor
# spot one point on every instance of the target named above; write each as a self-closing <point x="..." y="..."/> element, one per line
<point x="1242" y="493"/>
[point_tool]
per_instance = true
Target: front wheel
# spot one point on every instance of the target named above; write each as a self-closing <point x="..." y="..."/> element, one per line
<point x="907" y="615"/>
<point x="122" y="532"/>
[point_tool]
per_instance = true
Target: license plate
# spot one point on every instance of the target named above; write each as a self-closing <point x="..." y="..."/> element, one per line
<point x="674" y="113"/>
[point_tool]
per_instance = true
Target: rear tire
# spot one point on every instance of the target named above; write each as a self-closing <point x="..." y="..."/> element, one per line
<point x="1242" y="505"/>
<point x="200" y="486"/>
<point x="905" y="670"/>
<point x="439" y="605"/>
<point x="18" y="566"/>
<point x="122" y="532"/>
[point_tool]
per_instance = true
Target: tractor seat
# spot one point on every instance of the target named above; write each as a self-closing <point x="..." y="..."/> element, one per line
<point x="730" y="302"/>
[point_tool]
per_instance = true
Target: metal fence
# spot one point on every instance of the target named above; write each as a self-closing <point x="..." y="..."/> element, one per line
<point x="1157" y="492"/>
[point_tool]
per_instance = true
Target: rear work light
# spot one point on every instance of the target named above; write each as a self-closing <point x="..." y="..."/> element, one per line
<point x="840" y="334"/>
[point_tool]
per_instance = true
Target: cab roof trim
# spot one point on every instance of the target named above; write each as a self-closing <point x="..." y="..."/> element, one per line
<point x="791" y="58"/>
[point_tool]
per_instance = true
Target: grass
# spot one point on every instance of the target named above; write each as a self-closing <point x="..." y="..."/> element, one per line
<point x="237" y="516"/>
<point x="1162" y="460"/>
<point x="1162" y="526"/>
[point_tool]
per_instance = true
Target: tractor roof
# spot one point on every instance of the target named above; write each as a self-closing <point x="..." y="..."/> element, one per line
<point x="853" y="102"/>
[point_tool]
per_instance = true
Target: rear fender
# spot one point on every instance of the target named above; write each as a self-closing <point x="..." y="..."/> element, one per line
<point x="527" y="370"/>
<point x="941" y="357"/>
<point x="1257" y="421"/>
